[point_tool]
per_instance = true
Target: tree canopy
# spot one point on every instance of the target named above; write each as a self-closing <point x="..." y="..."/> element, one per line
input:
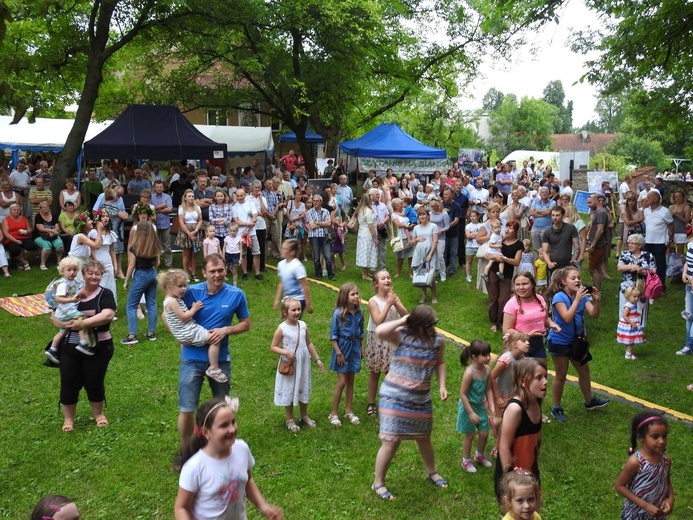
<point x="524" y="125"/>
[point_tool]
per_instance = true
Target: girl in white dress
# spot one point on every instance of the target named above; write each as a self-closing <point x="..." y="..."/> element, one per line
<point x="292" y="342"/>
<point x="105" y="253"/>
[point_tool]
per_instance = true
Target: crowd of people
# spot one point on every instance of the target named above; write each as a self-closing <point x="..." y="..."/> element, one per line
<point x="529" y="247"/>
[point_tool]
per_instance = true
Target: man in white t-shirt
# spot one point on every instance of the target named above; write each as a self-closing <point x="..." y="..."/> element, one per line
<point x="245" y="215"/>
<point x="478" y="197"/>
<point x="624" y="188"/>
<point x="659" y="231"/>
<point x="260" y="202"/>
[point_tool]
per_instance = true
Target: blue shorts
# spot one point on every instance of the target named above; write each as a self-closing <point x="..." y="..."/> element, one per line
<point x="558" y="350"/>
<point x="471" y="251"/>
<point x="232" y="258"/>
<point x="192" y="375"/>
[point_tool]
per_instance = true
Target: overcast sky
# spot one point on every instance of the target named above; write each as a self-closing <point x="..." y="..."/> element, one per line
<point x="528" y="74"/>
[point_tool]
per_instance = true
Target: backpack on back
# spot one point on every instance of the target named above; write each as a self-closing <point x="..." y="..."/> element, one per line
<point x="51" y="293"/>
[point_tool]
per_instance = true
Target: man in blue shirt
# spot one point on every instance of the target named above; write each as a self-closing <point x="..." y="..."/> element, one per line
<point x="136" y="185"/>
<point x="221" y="302"/>
<point x="451" y="236"/>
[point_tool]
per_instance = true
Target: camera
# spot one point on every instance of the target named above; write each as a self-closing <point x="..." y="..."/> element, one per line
<point x="588" y="289"/>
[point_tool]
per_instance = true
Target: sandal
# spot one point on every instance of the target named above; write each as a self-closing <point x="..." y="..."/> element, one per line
<point x="26" y="266"/>
<point x="217" y="375"/>
<point x="43" y="268"/>
<point x="7" y="275"/>
<point x="689" y="388"/>
<point x="308" y="421"/>
<point x="334" y="420"/>
<point x="371" y="409"/>
<point x="382" y="492"/>
<point x="68" y="425"/>
<point x="101" y="421"/>
<point x="292" y="426"/>
<point x="352" y="418"/>
<point x="630" y="355"/>
<point x="439" y="482"/>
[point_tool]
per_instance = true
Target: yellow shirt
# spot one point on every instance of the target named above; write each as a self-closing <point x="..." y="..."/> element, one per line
<point x="540" y="267"/>
<point x="509" y="517"/>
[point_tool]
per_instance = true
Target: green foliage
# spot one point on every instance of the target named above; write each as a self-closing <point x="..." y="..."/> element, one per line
<point x="639" y="151"/>
<point x="610" y="163"/>
<point x="492" y="99"/>
<point x="555" y="95"/>
<point x="524" y="125"/>
<point x="610" y="110"/>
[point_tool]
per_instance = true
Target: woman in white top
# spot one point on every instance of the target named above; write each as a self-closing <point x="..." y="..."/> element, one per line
<point x="366" y="238"/>
<point x="70" y="193"/>
<point x="188" y="238"/>
<point x="7" y="198"/>
<point x="404" y="189"/>
<point x="402" y="225"/>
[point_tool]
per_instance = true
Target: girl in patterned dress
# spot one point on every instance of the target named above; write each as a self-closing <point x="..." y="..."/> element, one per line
<point x="292" y="342"/>
<point x="629" y="330"/>
<point x="384" y="306"/>
<point x="405" y="407"/>
<point x="645" y="481"/>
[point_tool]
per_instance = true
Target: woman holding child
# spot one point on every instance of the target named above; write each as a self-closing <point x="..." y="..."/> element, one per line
<point x="498" y="286"/>
<point x="79" y="370"/>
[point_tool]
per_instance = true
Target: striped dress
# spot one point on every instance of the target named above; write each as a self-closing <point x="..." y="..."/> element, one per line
<point x="405" y="408"/>
<point x="626" y="334"/>
<point x="651" y="484"/>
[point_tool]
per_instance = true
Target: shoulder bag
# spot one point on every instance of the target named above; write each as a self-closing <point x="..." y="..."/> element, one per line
<point x="424" y="275"/>
<point x="286" y="367"/>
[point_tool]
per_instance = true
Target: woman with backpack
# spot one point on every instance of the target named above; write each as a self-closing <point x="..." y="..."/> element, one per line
<point x="634" y="264"/>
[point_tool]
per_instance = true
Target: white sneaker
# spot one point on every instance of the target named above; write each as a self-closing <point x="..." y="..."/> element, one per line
<point x="469" y="278"/>
<point x="685" y="351"/>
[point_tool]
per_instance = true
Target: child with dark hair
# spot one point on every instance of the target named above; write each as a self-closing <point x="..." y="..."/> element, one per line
<point x="217" y="473"/>
<point x="645" y="481"/>
<point x="55" y="506"/>
<point x="471" y="408"/>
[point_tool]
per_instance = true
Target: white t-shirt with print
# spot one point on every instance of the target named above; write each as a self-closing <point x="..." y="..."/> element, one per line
<point x="218" y="484"/>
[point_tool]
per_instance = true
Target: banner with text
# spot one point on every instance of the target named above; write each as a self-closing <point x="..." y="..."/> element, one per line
<point x="402" y="166"/>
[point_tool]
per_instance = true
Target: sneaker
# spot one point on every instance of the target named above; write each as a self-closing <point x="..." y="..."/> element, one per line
<point x="469" y="278"/>
<point x="557" y="413"/>
<point x="595" y="403"/>
<point x="245" y="276"/>
<point x="53" y="356"/>
<point x="84" y="350"/>
<point x="685" y="351"/>
<point x="468" y="466"/>
<point x="131" y="339"/>
<point x="332" y="278"/>
<point x="151" y="336"/>
<point x="481" y="459"/>
<point x="259" y="277"/>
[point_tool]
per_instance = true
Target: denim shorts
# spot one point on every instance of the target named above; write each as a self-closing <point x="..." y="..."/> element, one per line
<point x="232" y="258"/>
<point x="558" y="350"/>
<point x="192" y="375"/>
<point x="471" y="251"/>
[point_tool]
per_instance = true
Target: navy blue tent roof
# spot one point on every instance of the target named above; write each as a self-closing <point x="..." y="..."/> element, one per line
<point x="389" y="141"/>
<point x="151" y="132"/>
<point x="311" y="137"/>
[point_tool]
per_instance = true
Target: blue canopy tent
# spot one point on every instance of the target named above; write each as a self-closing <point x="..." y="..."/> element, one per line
<point x="388" y="140"/>
<point x="388" y="146"/>
<point x="311" y="137"/>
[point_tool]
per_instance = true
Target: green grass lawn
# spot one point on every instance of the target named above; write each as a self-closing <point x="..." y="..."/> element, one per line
<point x="124" y="471"/>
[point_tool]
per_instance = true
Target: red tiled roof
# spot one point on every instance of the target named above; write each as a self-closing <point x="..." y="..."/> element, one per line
<point x="594" y="144"/>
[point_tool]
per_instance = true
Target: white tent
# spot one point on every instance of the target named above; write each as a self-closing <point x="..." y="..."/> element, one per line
<point x="49" y="135"/>
<point x="241" y="140"/>
<point x="43" y="135"/>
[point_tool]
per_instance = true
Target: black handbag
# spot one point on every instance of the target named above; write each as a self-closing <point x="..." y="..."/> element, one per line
<point x="580" y="350"/>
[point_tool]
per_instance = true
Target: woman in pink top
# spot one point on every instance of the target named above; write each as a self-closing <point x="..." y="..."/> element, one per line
<point x="527" y="312"/>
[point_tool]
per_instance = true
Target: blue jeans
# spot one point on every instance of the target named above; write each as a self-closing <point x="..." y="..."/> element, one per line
<point x="689" y="321"/>
<point x="192" y="375"/>
<point x="143" y="282"/>
<point x="318" y="246"/>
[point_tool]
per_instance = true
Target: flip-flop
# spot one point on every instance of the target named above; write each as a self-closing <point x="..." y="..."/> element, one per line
<point x="68" y="425"/>
<point x="101" y="421"/>
<point x="382" y="492"/>
<point x="439" y="482"/>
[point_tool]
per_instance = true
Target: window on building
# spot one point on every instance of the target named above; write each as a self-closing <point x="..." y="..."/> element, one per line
<point x="217" y="117"/>
<point x="249" y="115"/>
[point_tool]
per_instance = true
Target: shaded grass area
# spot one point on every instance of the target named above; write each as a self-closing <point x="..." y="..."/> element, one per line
<point x="124" y="470"/>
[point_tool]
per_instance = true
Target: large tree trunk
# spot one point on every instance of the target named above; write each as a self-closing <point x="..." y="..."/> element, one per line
<point x="67" y="159"/>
